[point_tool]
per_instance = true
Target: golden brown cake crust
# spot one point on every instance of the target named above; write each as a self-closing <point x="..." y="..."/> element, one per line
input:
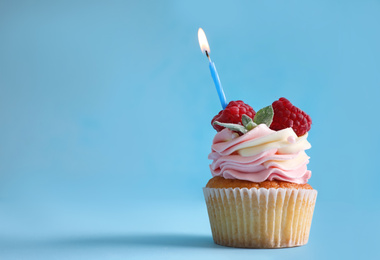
<point x="220" y="182"/>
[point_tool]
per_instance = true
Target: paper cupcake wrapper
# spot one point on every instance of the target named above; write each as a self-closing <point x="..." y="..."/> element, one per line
<point x="260" y="218"/>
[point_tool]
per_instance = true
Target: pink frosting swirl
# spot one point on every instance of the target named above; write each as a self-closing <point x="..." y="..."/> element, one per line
<point x="259" y="155"/>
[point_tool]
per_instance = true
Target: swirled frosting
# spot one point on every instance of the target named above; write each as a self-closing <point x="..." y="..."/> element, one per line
<point x="261" y="154"/>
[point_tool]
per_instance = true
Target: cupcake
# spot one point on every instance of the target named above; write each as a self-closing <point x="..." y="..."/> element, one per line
<point x="259" y="196"/>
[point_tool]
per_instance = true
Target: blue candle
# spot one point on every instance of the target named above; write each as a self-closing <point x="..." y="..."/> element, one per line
<point x="218" y="85"/>
<point x="214" y="73"/>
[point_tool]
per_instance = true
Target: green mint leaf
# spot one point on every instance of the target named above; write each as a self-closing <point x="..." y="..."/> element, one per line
<point x="233" y="127"/>
<point x="264" y="116"/>
<point x="245" y="120"/>
<point x="248" y="122"/>
<point x="250" y="125"/>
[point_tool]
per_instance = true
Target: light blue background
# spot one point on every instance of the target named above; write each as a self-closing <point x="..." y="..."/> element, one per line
<point x="105" y="110"/>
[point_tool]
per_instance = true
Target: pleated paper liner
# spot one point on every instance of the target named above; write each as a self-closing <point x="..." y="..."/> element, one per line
<point x="260" y="218"/>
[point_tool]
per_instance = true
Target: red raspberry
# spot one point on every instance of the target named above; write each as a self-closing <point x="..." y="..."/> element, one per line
<point x="232" y="114"/>
<point x="286" y="115"/>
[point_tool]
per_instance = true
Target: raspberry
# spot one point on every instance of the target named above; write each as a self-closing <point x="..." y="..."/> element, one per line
<point x="232" y="114"/>
<point x="286" y="115"/>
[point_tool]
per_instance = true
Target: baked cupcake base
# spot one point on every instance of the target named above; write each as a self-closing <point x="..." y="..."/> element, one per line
<point x="260" y="217"/>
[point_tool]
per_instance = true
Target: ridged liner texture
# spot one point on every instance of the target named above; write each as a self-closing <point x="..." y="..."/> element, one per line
<point x="260" y="218"/>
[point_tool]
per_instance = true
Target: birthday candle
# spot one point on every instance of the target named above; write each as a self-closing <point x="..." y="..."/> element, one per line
<point x="214" y="73"/>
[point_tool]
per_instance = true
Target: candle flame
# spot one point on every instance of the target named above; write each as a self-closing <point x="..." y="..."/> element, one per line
<point x="203" y="43"/>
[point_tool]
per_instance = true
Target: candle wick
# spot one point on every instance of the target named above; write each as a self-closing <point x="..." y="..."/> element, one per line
<point x="208" y="56"/>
